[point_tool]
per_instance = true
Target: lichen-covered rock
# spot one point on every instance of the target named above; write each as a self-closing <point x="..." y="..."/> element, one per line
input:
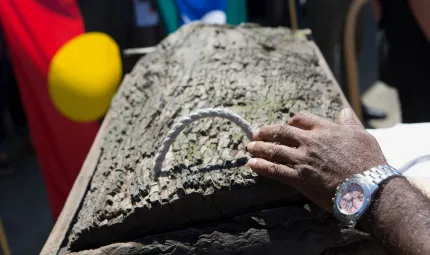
<point x="266" y="75"/>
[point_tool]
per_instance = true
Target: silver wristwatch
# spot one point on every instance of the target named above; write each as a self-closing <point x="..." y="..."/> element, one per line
<point x="354" y="196"/>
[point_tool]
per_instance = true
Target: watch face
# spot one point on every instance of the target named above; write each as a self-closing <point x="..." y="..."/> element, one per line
<point x="350" y="199"/>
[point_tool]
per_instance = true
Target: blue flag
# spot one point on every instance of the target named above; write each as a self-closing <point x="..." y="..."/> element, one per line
<point x="207" y="11"/>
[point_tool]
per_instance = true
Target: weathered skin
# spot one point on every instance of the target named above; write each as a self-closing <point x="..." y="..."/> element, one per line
<point x="263" y="74"/>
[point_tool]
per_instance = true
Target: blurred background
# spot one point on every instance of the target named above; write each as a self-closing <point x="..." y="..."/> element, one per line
<point x="36" y="172"/>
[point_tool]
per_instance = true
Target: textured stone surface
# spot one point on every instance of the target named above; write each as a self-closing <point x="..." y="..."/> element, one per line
<point x="286" y="230"/>
<point x="263" y="74"/>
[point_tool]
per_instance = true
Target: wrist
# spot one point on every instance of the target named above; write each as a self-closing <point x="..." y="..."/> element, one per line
<point x="399" y="218"/>
<point x="386" y="196"/>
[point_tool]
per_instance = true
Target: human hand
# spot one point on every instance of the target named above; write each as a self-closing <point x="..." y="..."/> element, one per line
<point x="314" y="155"/>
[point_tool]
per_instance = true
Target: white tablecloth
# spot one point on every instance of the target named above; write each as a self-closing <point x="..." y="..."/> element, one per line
<point x="403" y="143"/>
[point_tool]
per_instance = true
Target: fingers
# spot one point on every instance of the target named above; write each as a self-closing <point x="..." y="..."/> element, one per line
<point x="307" y="121"/>
<point x="347" y="118"/>
<point x="275" y="153"/>
<point x="273" y="171"/>
<point x="280" y="133"/>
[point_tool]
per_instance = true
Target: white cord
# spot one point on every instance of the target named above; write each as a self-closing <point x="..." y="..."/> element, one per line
<point x="413" y="162"/>
<point x="179" y="126"/>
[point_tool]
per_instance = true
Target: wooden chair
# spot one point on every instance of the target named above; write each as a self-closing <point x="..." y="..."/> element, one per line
<point x="350" y="56"/>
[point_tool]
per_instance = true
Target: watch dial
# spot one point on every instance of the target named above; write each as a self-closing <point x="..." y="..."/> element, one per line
<point x="350" y="199"/>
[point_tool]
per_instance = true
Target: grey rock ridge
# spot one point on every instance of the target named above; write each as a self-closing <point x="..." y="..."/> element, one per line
<point x="266" y="75"/>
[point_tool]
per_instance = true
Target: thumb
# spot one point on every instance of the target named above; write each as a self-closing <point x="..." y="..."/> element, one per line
<point x="348" y="118"/>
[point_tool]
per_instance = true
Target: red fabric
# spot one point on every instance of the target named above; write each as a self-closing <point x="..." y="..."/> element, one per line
<point x="35" y="30"/>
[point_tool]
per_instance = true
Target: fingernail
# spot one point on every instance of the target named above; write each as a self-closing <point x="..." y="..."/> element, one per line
<point x="255" y="134"/>
<point x="250" y="146"/>
<point x="252" y="162"/>
<point x="347" y="114"/>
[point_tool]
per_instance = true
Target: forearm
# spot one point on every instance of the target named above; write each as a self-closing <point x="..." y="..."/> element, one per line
<point x="400" y="218"/>
<point x="420" y="10"/>
<point x="376" y="9"/>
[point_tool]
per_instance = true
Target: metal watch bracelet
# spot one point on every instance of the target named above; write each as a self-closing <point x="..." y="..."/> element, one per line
<point x="379" y="174"/>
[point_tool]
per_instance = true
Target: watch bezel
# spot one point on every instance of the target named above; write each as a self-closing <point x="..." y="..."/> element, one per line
<point x="348" y="218"/>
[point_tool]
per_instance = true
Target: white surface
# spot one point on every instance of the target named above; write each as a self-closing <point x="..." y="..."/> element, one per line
<point x="404" y="143"/>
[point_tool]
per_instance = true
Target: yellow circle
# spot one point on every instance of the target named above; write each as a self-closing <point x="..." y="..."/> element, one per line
<point x="84" y="75"/>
